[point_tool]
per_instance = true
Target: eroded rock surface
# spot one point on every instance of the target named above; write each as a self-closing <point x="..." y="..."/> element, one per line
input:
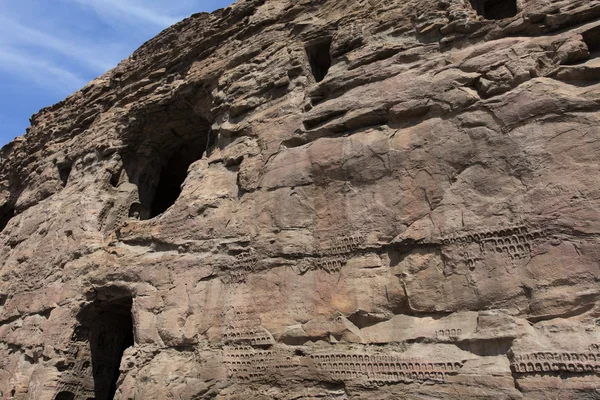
<point x="299" y="199"/>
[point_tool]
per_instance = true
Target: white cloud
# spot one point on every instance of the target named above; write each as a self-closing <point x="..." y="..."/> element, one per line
<point x="54" y="47"/>
<point x="84" y="53"/>
<point x="56" y="59"/>
<point x="40" y="71"/>
<point x="131" y="10"/>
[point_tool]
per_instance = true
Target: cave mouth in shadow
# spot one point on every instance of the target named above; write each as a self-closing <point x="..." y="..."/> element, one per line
<point x="159" y="154"/>
<point x="591" y="38"/>
<point x="495" y="9"/>
<point x="173" y="174"/>
<point x="64" y="170"/>
<point x="65" y="396"/>
<point x="110" y="327"/>
<point x="319" y="57"/>
<point x="6" y="214"/>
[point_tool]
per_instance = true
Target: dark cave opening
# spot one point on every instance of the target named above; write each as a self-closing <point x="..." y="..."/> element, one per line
<point x="110" y="327"/>
<point x="64" y="170"/>
<point x="591" y="38"/>
<point x="495" y="9"/>
<point x="319" y="58"/>
<point x="173" y="174"/>
<point x="65" y="396"/>
<point x="159" y="154"/>
<point x="6" y="214"/>
<point x="115" y="178"/>
<point x="135" y="211"/>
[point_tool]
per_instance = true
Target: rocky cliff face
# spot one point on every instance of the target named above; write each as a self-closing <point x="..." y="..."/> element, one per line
<point x="316" y="199"/>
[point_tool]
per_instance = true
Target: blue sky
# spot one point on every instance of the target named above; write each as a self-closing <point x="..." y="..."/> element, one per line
<point x="51" y="48"/>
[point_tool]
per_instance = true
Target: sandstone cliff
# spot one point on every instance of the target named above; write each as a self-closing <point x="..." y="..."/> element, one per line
<point x="315" y="199"/>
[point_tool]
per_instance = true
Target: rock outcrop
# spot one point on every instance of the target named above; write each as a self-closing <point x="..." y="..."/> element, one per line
<point x="302" y="199"/>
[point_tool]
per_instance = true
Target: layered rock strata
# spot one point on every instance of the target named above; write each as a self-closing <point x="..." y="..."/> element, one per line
<point x="300" y="199"/>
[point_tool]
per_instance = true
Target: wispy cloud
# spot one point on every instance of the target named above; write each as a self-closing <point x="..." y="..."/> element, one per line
<point x="50" y="48"/>
<point x="41" y="71"/>
<point x="84" y="53"/>
<point x="130" y="9"/>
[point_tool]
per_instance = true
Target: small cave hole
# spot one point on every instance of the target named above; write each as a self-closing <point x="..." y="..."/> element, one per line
<point x="6" y="214"/>
<point x="62" y="366"/>
<point x="64" y="170"/>
<point x="495" y="9"/>
<point x="3" y="298"/>
<point x="319" y="57"/>
<point x="115" y="179"/>
<point x="299" y="353"/>
<point x="65" y="396"/>
<point x="172" y="176"/>
<point x="135" y="211"/>
<point x="109" y="328"/>
<point x="591" y="38"/>
<point x="160" y="183"/>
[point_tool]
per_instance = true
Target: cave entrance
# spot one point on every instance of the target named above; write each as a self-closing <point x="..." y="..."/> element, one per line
<point x="159" y="155"/>
<point x="495" y="9"/>
<point x="591" y="38"/>
<point x="6" y="214"/>
<point x="319" y="57"/>
<point x="110" y="334"/>
<point x="173" y="174"/>
<point x="64" y="170"/>
<point x="65" y="396"/>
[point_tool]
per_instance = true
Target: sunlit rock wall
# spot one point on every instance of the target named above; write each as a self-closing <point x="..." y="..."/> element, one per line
<point x="299" y="199"/>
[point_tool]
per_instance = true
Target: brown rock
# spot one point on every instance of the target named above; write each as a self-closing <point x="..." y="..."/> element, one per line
<point x="315" y="200"/>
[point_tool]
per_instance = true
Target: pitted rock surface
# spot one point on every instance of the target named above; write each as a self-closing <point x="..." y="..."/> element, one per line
<point x="300" y="199"/>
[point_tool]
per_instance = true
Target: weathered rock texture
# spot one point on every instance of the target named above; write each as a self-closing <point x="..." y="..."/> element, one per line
<point x="385" y="199"/>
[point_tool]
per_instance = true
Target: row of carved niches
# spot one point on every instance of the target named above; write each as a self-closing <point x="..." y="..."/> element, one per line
<point x="510" y="246"/>
<point x="333" y="255"/>
<point x="557" y="362"/>
<point x="360" y="367"/>
<point x="342" y="245"/>
<point x="242" y="328"/>
<point x="248" y="363"/>
<point x="504" y="245"/>
<point x="448" y="334"/>
<point x="244" y="264"/>
<point x="379" y="369"/>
